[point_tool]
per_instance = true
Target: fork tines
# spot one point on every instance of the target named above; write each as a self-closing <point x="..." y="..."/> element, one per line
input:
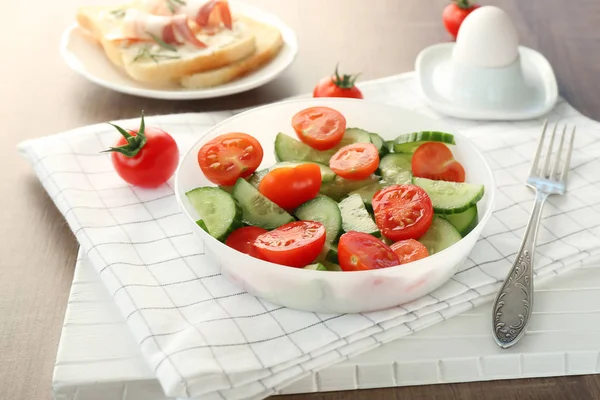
<point x="550" y="167"/>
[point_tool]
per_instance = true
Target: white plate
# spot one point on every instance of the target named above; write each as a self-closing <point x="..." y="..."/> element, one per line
<point x="323" y="291"/>
<point x="90" y="61"/>
<point x="432" y="65"/>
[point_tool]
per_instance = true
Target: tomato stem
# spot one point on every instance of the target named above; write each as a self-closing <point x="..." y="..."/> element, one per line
<point x="464" y="4"/>
<point x="345" y="81"/>
<point x="134" y="142"/>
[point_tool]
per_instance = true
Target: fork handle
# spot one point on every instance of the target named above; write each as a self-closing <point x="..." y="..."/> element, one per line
<point x="513" y="306"/>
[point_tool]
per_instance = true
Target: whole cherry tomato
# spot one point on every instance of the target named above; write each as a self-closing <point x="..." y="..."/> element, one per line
<point x="338" y="86"/>
<point x="288" y="187"/>
<point x="455" y="13"/>
<point x="146" y="157"/>
<point x="434" y="160"/>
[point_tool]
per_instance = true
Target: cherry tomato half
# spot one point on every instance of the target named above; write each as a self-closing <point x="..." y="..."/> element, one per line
<point x="409" y="250"/>
<point x="295" y="244"/>
<point x="359" y="251"/>
<point x="147" y="159"/>
<point x="228" y="157"/>
<point x="321" y="128"/>
<point x="434" y="160"/>
<point x="288" y="187"/>
<point x="242" y="240"/>
<point x="402" y="212"/>
<point x="356" y="161"/>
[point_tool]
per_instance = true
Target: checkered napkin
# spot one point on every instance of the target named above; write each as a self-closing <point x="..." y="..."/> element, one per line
<point x="204" y="337"/>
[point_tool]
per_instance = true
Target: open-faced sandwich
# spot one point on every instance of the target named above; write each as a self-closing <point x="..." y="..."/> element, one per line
<point x="191" y="43"/>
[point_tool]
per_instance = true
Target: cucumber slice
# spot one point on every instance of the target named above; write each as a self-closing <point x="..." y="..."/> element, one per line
<point x="396" y="168"/>
<point x="451" y="197"/>
<point x="219" y="213"/>
<point x="409" y="142"/>
<point x="380" y="144"/>
<point x="257" y="210"/>
<point x="316" y="267"/>
<point x="331" y="266"/>
<point x="289" y="149"/>
<point x="464" y="222"/>
<point x="440" y="235"/>
<point x="202" y="225"/>
<point x="367" y="192"/>
<point x="390" y="145"/>
<point x="256" y="177"/>
<point x="340" y="187"/>
<point x="355" y="216"/>
<point x="327" y="174"/>
<point x="324" y="210"/>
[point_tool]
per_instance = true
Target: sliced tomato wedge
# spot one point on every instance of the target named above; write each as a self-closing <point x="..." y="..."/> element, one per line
<point x="295" y="244"/>
<point x="402" y="212"/>
<point x="288" y="187"/>
<point x="228" y="157"/>
<point x="242" y="240"/>
<point x="321" y="128"/>
<point x="434" y="160"/>
<point x="356" y="161"/>
<point x="409" y="250"/>
<point x="359" y="251"/>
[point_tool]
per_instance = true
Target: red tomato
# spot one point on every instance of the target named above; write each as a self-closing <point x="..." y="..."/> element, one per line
<point x="338" y="86"/>
<point x="356" y="161"/>
<point x="146" y="157"/>
<point x="321" y="128"/>
<point x="358" y="251"/>
<point x="409" y="250"/>
<point x="228" y="157"/>
<point x="295" y="244"/>
<point x="402" y="212"/>
<point x="434" y="160"/>
<point x="288" y="187"/>
<point x="455" y="13"/>
<point x="242" y="240"/>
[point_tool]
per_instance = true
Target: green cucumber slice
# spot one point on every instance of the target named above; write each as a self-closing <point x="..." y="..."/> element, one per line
<point x="289" y="149"/>
<point x="465" y="221"/>
<point x="219" y="213"/>
<point x="316" y="267"/>
<point x="409" y="142"/>
<point x="390" y="145"/>
<point x="396" y="168"/>
<point x="340" y="187"/>
<point x="331" y="266"/>
<point x="451" y="197"/>
<point x="327" y="174"/>
<point x="368" y="191"/>
<point x="380" y="144"/>
<point x="440" y="235"/>
<point x="355" y="216"/>
<point x="329" y="253"/>
<point x="324" y="210"/>
<point x="257" y="210"/>
<point x="257" y="176"/>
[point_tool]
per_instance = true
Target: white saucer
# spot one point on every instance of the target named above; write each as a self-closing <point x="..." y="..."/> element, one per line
<point x="433" y="61"/>
<point x="89" y="60"/>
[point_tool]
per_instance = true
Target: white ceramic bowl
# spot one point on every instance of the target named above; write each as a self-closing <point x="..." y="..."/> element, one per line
<point x="324" y="291"/>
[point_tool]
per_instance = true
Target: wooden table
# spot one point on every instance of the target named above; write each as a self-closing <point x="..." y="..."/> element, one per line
<point x="41" y="96"/>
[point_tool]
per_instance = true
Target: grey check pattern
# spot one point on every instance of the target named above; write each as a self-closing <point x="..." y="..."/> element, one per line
<point x="205" y="338"/>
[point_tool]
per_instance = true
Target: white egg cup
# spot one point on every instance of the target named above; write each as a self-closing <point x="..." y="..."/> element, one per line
<point x="486" y="75"/>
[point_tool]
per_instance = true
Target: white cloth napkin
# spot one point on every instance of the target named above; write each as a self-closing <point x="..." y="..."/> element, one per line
<point x="204" y="337"/>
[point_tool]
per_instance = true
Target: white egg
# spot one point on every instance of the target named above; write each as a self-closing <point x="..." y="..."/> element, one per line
<point x="487" y="38"/>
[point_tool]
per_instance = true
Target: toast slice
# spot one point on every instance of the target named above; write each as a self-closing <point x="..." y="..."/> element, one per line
<point x="149" y="63"/>
<point x="268" y="44"/>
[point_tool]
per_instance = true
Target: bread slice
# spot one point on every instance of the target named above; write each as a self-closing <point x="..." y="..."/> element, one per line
<point x="268" y="44"/>
<point x="166" y="70"/>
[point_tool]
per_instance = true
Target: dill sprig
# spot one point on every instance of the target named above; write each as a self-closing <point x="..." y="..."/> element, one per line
<point x="145" y="52"/>
<point x="118" y="13"/>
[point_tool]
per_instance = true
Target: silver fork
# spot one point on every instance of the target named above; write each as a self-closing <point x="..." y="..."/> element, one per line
<point x="513" y="306"/>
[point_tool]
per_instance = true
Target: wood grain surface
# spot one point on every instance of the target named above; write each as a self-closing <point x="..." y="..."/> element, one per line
<point x="39" y="96"/>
